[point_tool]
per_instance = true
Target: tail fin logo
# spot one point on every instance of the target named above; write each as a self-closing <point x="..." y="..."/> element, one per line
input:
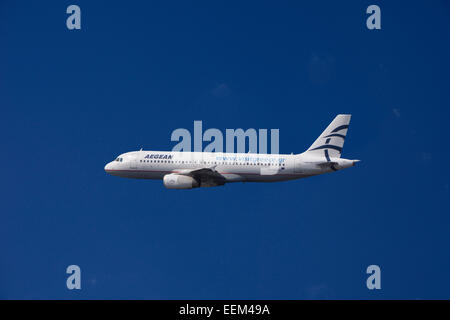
<point x="327" y="146"/>
<point x="331" y="146"/>
<point x="345" y="126"/>
<point x="332" y="139"/>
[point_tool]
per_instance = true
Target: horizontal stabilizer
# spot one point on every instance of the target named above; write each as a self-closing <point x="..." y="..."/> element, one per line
<point x="327" y="164"/>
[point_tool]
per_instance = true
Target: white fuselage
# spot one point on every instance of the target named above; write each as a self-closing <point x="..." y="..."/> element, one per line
<point x="234" y="167"/>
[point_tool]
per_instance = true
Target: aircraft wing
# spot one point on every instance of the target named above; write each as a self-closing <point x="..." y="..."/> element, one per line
<point x="208" y="177"/>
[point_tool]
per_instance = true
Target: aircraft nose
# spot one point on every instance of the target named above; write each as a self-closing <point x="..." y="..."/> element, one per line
<point x="108" y="167"/>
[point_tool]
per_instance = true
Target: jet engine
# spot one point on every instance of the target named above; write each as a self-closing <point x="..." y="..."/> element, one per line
<point x="179" y="181"/>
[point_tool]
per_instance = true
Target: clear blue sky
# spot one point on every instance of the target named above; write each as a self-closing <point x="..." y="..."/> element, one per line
<point x="73" y="100"/>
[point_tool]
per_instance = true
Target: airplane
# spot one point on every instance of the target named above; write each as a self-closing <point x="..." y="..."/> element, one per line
<point x="188" y="170"/>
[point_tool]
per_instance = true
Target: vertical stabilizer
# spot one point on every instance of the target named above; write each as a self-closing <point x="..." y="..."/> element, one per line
<point x="331" y="141"/>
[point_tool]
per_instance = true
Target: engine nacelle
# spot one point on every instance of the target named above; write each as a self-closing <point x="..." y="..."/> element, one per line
<point x="179" y="181"/>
